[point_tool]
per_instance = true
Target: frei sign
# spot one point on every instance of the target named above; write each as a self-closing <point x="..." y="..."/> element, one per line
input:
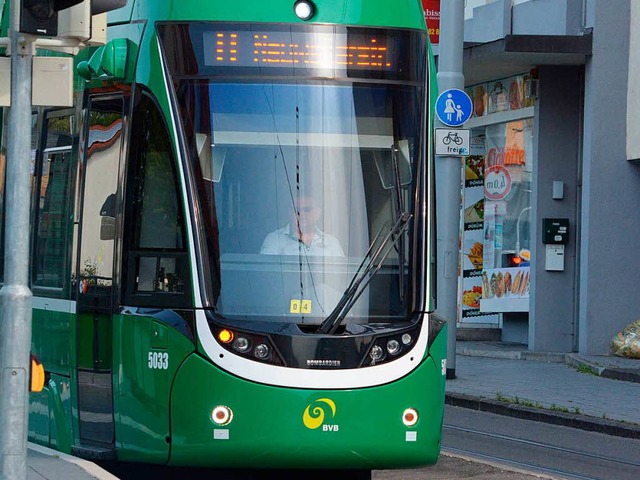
<point x="452" y="142"/>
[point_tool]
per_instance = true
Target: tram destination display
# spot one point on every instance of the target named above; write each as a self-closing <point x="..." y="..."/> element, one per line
<point x="321" y="51"/>
<point x="297" y="49"/>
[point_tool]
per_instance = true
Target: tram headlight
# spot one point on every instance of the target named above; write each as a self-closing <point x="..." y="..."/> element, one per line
<point x="241" y="344"/>
<point x="250" y="345"/>
<point x="222" y="415"/>
<point x="377" y="353"/>
<point x="261" y="351"/>
<point x="393" y="347"/>
<point x="304" y="9"/>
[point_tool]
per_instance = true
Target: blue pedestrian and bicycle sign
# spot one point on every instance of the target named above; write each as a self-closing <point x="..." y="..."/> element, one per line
<point x="454" y="107"/>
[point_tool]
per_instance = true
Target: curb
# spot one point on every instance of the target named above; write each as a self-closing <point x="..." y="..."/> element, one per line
<point x="573" y="359"/>
<point x="512" y="354"/>
<point x="624" y="374"/>
<point x="572" y="420"/>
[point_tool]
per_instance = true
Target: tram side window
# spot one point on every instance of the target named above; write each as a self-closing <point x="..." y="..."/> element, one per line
<point x="157" y="261"/>
<point x="53" y="206"/>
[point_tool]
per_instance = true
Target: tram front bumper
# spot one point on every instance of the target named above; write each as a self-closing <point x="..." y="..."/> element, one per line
<point x="276" y="427"/>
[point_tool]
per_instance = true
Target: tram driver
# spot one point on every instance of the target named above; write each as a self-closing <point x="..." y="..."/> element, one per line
<point x="302" y="234"/>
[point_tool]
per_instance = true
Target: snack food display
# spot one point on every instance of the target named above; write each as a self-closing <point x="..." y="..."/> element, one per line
<point x="520" y="283"/>
<point x="516" y="282"/>
<point x="475" y="212"/>
<point x="487" y="291"/>
<point x="500" y="285"/>
<point x="474" y="167"/>
<point x="475" y="255"/>
<point x="509" y="283"/>
<point x="493" y="284"/>
<point x="471" y="298"/>
<point x="524" y="285"/>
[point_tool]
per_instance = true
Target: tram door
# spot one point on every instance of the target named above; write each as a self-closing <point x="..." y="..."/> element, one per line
<point x="100" y="160"/>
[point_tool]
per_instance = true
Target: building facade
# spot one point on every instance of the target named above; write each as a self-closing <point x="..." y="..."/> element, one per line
<point x="548" y="229"/>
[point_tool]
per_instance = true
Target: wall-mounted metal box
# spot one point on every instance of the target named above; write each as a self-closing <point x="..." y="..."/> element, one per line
<point x="555" y="230"/>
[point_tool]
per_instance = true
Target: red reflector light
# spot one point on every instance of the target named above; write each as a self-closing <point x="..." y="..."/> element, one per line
<point x="222" y="415"/>
<point x="410" y="417"/>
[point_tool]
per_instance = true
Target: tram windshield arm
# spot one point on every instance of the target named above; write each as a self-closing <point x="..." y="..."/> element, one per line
<point x="401" y="211"/>
<point x="371" y="264"/>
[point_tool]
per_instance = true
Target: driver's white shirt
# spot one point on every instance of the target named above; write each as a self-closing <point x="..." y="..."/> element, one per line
<point x="283" y="242"/>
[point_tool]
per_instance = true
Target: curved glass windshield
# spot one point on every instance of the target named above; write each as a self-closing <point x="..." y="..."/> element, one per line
<point x="307" y="188"/>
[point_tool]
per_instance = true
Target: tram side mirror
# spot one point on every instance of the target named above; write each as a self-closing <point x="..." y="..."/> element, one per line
<point x="108" y="220"/>
<point x="386" y="169"/>
<point x="211" y="158"/>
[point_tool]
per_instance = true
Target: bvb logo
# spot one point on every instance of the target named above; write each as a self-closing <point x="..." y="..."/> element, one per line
<point x="314" y="415"/>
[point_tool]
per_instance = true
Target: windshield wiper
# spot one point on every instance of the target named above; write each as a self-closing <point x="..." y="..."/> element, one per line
<point x="370" y="265"/>
<point x="401" y="210"/>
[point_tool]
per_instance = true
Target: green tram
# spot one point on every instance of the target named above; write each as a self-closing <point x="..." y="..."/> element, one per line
<point x="233" y="240"/>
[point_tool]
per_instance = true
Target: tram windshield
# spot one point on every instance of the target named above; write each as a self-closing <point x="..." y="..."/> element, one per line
<point x="306" y="178"/>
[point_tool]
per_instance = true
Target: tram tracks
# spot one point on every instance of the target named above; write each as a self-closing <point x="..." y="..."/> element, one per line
<point x="538" y="449"/>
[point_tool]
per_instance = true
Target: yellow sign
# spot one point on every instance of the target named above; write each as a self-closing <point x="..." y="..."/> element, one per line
<point x="300" y="306"/>
<point x="314" y="415"/>
<point x="294" y="306"/>
<point x="306" y="306"/>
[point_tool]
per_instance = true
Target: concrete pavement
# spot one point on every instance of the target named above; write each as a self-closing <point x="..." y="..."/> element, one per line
<point x="47" y="464"/>
<point x="564" y="389"/>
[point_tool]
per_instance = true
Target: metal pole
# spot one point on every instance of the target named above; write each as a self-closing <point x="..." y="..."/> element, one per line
<point x="448" y="177"/>
<point x="15" y="323"/>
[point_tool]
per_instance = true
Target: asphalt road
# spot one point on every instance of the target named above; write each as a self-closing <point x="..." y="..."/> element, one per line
<point x="556" y="451"/>
<point x="456" y="468"/>
<point x="448" y="468"/>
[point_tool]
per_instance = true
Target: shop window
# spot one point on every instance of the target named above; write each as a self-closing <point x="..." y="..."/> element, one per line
<point x="507" y="192"/>
<point x="496" y="217"/>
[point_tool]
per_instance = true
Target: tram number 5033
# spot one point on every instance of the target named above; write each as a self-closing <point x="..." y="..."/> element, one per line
<point x="158" y="360"/>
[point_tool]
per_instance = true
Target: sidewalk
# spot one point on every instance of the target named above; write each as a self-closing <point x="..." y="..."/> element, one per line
<point x="47" y="464"/>
<point x="565" y="389"/>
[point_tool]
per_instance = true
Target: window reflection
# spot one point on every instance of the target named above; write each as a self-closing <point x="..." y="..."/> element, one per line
<point x="53" y="208"/>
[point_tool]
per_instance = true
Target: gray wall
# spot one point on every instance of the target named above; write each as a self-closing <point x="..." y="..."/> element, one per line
<point x="548" y="17"/>
<point x="490" y="22"/>
<point x="610" y="264"/>
<point x="558" y="126"/>
<point x="536" y="17"/>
